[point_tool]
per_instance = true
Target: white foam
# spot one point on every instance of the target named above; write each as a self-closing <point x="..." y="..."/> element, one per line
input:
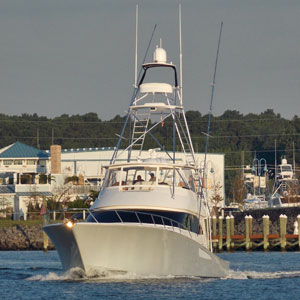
<point x="244" y="275"/>
<point x="77" y="274"/>
<point x="73" y="274"/>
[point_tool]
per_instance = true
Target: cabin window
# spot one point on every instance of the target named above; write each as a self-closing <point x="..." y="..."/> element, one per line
<point x="30" y="162"/>
<point x="18" y="162"/>
<point x="133" y="175"/>
<point x="286" y="169"/>
<point x="7" y="162"/>
<point x="175" y="219"/>
<point x="151" y="175"/>
<point x="113" y="179"/>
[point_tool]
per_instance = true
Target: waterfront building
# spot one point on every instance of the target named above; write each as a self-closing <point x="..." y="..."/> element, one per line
<point x="28" y="174"/>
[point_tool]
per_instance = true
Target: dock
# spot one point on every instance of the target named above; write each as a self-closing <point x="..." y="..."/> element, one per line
<point x="224" y="237"/>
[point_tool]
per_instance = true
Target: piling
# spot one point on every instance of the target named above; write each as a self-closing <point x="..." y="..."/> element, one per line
<point x="45" y="222"/>
<point x="283" y="222"/>
<point x="232" y="230"/>
<point x="220" y="233"/>
<point x="214" y="230"/>
<point x="228" y="232"/>
<point x="248" y="229"/>
<point x="266" y="231"/>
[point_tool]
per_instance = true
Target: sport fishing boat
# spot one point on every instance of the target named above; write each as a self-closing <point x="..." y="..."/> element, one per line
<point x="286" y="186"/>
<point x="151" y="216"/>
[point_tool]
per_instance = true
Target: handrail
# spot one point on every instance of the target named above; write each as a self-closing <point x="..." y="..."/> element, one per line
<point x="68" y="210"/>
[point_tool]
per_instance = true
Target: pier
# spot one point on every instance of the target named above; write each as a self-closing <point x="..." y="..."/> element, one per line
<point x="224" y="237"/>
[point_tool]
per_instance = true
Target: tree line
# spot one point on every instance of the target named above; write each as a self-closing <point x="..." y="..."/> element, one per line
<point x="241" y="137"/>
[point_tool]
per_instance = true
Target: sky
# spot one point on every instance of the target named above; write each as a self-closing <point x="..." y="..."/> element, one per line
<point x="75" y="57"/>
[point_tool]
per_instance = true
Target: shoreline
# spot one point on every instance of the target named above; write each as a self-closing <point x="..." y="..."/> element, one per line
<point x="29" y="237"/>
<point x="20" y="237"/>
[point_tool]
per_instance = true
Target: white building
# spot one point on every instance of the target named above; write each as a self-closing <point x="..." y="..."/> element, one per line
<point x="23" y="176"/>
<point x="27" y="173"/>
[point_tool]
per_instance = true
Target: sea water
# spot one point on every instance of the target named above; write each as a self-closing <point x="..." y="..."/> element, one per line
<point x="256" y="275"/>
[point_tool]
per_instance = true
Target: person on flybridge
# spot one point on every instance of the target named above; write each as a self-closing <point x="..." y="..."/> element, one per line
<point x="138" y="179"/>
<point x="152" y="177"/>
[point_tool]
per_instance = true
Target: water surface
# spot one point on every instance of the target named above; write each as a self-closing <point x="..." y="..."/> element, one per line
<point x="257" y="275"/>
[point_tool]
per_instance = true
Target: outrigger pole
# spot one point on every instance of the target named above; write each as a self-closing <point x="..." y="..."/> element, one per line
<point x="204" y="174"/>
<point x="211" y="100"/>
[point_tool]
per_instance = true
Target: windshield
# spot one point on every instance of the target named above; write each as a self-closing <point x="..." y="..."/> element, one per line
<point x="150" y="175"/>
<point x="286" y="168"/>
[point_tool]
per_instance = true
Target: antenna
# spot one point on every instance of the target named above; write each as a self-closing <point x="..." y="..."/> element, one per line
<point x="211" y="98"/>
<point x="136" y="42"/>
<point x="180" y="54"/>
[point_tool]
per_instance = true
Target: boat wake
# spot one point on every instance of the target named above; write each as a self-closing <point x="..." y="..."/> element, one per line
<point x="244" y="275"/>
<point x="77" y="274"/>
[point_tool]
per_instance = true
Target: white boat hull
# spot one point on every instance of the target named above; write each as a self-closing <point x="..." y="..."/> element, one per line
<point x="135" y="248"/>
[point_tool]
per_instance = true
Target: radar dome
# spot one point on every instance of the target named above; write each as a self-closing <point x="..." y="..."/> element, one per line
<point x="160" y="55"/>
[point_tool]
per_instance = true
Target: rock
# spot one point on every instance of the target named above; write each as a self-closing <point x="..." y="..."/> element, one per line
<point x="22" y="237"/>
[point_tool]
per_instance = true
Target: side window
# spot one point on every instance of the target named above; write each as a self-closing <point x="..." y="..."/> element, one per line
<point x="113" y="178"/>
<point x="7" y="162"/>
<point x="42" y="162"/>
<point x="30" y="162"/>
